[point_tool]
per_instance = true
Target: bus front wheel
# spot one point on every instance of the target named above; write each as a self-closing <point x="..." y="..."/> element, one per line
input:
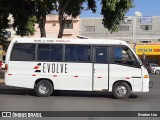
<point x="121" y="90"/>
<point x="44" y="88"/>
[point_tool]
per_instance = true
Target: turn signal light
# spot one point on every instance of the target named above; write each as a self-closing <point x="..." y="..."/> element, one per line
<point x="146" y="76"/>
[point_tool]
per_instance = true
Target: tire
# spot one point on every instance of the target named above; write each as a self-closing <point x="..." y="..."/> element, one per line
<point x="121" y="90"/>
<point x="44" y="88"/>
<point x="157" y="72"/>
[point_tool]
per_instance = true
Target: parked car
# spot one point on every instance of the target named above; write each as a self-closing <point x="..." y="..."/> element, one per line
<point x="153" y="68"/>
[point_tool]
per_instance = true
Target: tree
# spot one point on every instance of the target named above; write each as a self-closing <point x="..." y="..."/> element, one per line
<point x="71" y="8"/>
<point x="4" y="13"/>
<point x="113" y="12"/>
<point x="42" y="8"/>
<point x="22" y="13"/>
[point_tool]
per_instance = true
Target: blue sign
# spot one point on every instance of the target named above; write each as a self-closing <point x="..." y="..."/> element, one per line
<point x="146" y="19"/>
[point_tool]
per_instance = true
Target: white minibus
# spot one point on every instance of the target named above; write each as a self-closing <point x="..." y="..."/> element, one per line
<point x="48" y="64"/>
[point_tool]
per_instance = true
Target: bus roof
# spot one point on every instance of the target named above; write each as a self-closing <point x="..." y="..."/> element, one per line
<point x="69" y="41"/>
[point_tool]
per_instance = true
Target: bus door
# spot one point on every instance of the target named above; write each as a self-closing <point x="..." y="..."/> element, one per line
<point x="100" y="68"/>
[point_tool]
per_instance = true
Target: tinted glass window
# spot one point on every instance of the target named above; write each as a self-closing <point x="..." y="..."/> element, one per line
<point x="23" y="52"/>
<point x="101" y="55"/>
<point x="78" y="53"/>
<point x="48" y="52"/>
<point x="124" y="55"/>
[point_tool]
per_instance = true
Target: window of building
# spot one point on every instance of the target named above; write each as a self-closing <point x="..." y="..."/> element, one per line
<point x="46" y="52"/>
<point x="54" y="24"/>
<point x="146" y="27"/>
<point x="123" y="55"/>
<point x="23" y="52"/>
<point x="89" y="28"/>
<point x="77" y="53"/>
<point x="124" y="28"/>
<point x="68" y="24"/>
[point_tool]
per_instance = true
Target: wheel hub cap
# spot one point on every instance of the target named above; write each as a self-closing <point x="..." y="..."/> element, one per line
<point x="121" y="90"/>
<point x="43" y="88"/>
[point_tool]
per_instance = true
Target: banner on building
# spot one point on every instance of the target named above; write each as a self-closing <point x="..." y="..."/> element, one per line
<point x="148" y="49"/>
<point x="146" y="19"/>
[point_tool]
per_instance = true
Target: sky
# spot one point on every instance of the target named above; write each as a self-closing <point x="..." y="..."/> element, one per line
<point x="146" y="7"/>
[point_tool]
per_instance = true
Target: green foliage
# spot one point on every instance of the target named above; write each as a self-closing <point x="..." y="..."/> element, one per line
<point x="28" y="28"/>
<point x="4" y="13"/>
<point x="72" y="8"/>
<point x="3" y="18"/>
<point x="91" y="5"/>
<point x="30" y="25"/>
<point x="3" y="42"/>
<point x="113" y="12"/>
<point x="41" y="9"/>
<point x="22" y="11"/>
<point x="25" y="28"/>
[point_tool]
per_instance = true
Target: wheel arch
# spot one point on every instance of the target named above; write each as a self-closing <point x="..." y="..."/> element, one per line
<point x="122" y="81"/>
<point x="43" y="79"/>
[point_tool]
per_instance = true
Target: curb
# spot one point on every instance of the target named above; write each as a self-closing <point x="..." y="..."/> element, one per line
<point x="1" y="81"/>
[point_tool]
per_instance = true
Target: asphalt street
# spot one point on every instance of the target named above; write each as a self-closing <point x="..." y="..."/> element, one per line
<point x="20" y="99"/>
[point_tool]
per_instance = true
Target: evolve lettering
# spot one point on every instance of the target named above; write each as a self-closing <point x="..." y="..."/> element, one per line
<point x="54" y="68"/>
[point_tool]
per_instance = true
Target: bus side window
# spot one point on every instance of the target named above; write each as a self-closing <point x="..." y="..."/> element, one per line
<point x="47" y="52"/>
<point x="77" y="53"/>
<point x="23" y="52"/>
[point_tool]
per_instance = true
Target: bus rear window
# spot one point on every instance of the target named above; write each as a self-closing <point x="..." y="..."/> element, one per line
<point x="23" y="52"/>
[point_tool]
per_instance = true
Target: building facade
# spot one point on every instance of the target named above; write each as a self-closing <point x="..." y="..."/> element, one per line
<point x="52" y="29"/>
<point x="132" y="29"/>
<point x="144" y="30"/>
<point x="71" y="29"/>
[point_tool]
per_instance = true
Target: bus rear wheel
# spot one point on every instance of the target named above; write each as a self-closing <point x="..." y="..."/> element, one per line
<point x="121" y="90"/>
<point x="44" y="88"/>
